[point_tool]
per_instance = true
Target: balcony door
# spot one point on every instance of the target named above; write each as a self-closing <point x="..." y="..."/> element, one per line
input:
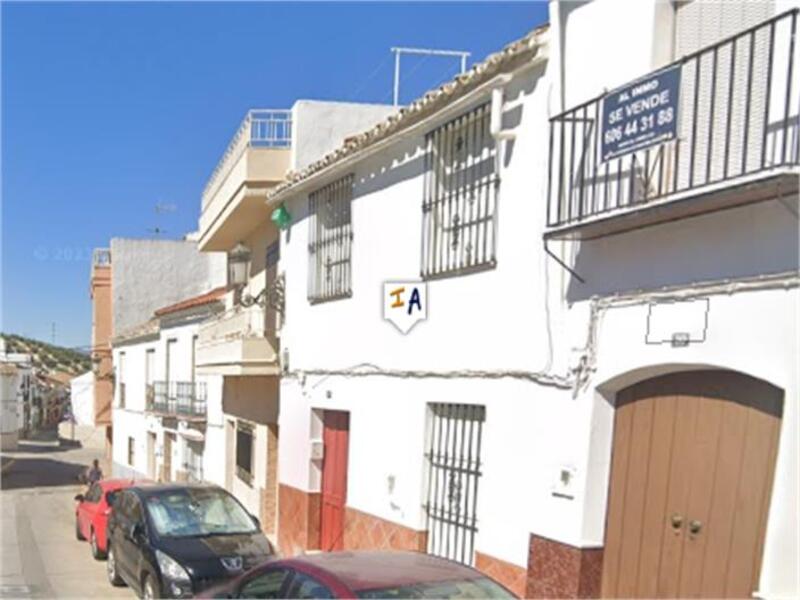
<point x="691" y="476"/>
<point x="169" y="440"/>
<point x="724" y="92"/>
<point x="335" y="437"/>
<point x="699" y="23"/>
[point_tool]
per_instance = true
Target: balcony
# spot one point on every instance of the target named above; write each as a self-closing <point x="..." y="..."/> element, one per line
<point x="735" y="141"/>
<point x="256" y="159"/>
<point x="237" y="343"/>
<point x="181" y="399"/>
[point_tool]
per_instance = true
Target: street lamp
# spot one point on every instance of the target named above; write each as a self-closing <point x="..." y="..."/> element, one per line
<point x="238" y="265"/>
<point x="238" y="270"/>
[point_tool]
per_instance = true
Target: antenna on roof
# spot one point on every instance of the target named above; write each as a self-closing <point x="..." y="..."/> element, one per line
<point x="160" y="209"/>
<point x="424" y="51"/>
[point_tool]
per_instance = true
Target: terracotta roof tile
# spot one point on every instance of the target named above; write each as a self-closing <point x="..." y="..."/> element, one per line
<point x="510" y="57"/>
<point x="207" y="298"/>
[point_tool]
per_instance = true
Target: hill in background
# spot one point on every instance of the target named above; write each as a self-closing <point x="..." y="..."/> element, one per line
<point x="47" y="357"/>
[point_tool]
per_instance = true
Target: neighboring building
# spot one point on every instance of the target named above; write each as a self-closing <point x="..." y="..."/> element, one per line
<point x="241" y="345"/>
<point x="168" y="419"/>
<point x="102" y="367"/>
<point x="10" y="406"/>
<point x="21" y="396"/>
<point x="54" y="389"/>
<point x="129" y="282"/>
<point x="82" y="398"/>
<point x="603" y="399"/>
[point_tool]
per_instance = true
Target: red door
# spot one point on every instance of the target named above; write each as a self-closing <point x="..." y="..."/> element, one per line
<point x="334" y="478"/>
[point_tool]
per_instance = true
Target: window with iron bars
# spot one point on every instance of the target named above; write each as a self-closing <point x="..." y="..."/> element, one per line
<point x="459" y="205"/>
<point x="330" y="241"/>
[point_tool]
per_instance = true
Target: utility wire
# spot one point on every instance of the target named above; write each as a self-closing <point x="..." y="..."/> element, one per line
<point x="405" y="78"/>
<point x="369" y="78"/>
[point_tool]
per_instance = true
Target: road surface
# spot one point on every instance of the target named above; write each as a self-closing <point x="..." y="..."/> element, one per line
<point x="39" y="556"/>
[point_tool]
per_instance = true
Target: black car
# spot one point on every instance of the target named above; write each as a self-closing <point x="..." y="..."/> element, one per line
<point x="175" y="540"/>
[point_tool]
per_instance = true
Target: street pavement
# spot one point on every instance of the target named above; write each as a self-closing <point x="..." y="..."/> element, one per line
<point x="39" y="556"/>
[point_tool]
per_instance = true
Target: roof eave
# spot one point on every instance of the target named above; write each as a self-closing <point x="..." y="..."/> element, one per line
<point x="450" y="98"/>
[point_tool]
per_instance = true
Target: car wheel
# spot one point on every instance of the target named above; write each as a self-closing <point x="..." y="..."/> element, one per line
<point x="96" y="552"/>
<point x="78" y="534"/>
<point x="148" y="588"/>
<point x="111" y="569"/>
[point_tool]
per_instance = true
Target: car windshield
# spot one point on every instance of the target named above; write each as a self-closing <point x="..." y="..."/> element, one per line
<point x="111" y="496"/>
<point x="194" y="512"/>
<point x="482" y="587"/>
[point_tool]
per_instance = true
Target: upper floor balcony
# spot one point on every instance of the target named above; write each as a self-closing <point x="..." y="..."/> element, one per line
<point x="256" y="159"/>
<point x="714" y="130"/>
<point x="237" y="342"/>
<point x="181" y="399"/>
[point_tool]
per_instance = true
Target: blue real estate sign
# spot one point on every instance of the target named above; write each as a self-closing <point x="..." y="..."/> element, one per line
<point x="640" y="114"/>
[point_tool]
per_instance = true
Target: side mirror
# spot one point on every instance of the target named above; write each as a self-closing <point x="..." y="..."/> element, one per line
<point x="256" y="522"/>
<point x="79" y="498"/>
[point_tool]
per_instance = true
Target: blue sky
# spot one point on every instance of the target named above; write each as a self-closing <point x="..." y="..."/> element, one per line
<point x="111" y="108"/>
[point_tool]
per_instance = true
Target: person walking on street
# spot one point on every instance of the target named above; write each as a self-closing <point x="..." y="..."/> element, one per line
<point x="94" y="473"/>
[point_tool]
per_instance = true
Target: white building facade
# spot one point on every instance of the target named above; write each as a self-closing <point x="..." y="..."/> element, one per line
<point x="603" y="397"/>
<point x="167" y="418"/>
<point x="21" y="398"/>
<point x="240" y="345"/>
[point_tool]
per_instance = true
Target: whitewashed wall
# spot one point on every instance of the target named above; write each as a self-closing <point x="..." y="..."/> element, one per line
<point x="530" y="314"/>
<point x="82" y="398"/>
<point x="320" y="126"/>
<point x="132" y="421"/>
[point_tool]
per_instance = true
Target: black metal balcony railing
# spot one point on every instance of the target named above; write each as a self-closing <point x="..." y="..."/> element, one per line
<point x="737" y="115"/>
<point x="180" y="398"/>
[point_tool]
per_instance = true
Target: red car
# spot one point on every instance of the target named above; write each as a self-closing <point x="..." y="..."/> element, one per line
<point x="363" y="574"/>
<point x="92" y="510"/>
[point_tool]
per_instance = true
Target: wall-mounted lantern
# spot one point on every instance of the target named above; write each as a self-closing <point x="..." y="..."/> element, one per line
<point x="238" y="272"/>
<point x="238" y="265"/>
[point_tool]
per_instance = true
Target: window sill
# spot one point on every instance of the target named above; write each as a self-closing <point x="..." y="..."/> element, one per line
<point x="321" y="300"/>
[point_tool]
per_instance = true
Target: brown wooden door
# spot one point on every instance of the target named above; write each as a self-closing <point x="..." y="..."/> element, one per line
<point x="167" y="466"/>
<point x="335" y="434"/>
<point x="691" y="477"/>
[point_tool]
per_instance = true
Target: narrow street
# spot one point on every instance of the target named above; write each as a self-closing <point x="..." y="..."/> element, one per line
<point x="40" y="556"/>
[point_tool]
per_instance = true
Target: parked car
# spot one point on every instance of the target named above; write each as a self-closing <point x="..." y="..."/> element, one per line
<point x="174" y="540"/>
<point x="92" y="511"/>
<point x="364" y="574"/>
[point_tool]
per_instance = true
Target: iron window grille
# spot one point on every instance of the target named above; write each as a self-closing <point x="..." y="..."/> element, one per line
<point x="330" y="241"/>
<point x="459" y="207"/>
<point x="454" y="470"/>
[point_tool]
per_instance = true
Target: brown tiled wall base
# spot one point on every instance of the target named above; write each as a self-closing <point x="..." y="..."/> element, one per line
<point x="511" y="576"/>
<point x="269" y="495"/>
<point x="557" y="570"/>
<point x="363" y="531"/>
<point x="298" y="520"/>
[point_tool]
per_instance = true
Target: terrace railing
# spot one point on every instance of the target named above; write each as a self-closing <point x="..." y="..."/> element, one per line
<point x="180" y="398"/>
<point x="261" y="128"/>
<point x="737" y="116"/>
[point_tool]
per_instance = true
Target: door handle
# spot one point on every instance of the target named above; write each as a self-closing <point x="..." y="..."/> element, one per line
<point x="676" y="521"/>
<point x="695" y="526"/>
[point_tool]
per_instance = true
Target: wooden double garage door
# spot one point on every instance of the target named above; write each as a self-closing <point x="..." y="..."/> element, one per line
<point x="691" y="475"/>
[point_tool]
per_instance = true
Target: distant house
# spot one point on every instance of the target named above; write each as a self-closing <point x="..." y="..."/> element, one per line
<point x="9" y="406"/>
